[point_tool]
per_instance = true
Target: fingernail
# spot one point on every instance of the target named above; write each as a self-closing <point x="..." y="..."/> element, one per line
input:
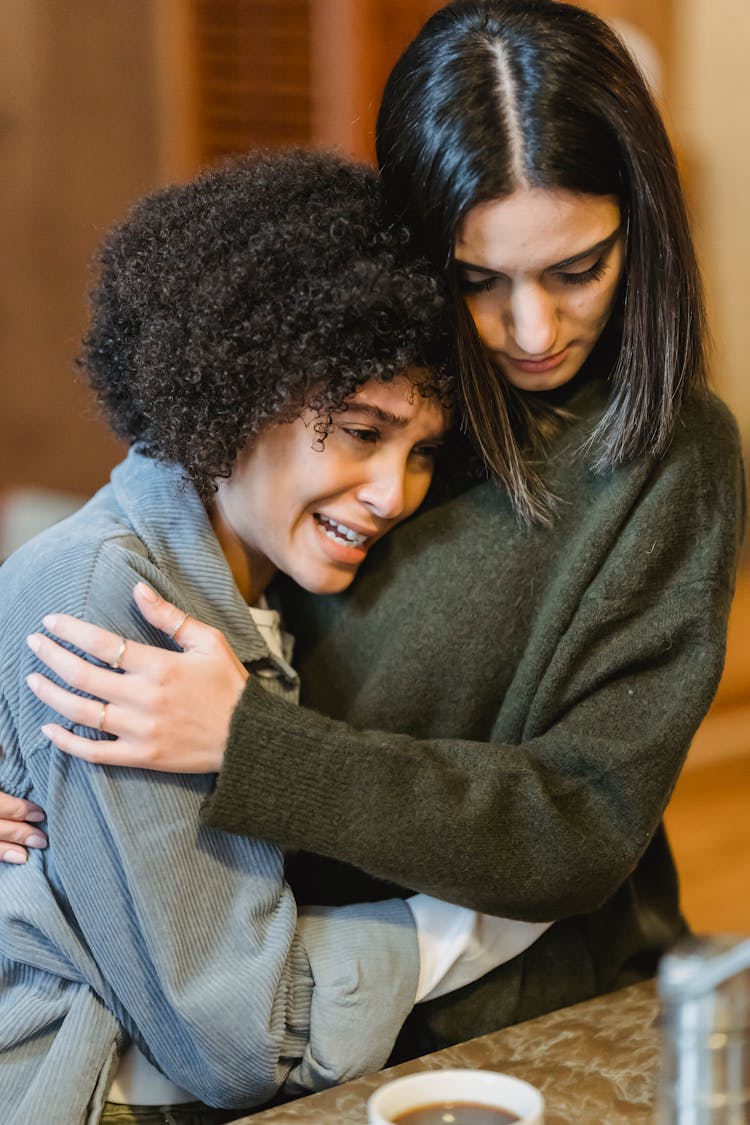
<point x="33" y="681"/>
<point x="35" y="816"/>
<point x="12" y="855"/>
<point x="50" y="622"/>
<point x="35" y="840"/>
<point x="34" y="642"/>
<point x="47" y="730"/>
<point x="147" y="593"/>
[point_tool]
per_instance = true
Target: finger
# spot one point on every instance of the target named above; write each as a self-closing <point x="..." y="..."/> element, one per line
<point x="13" y="832"/>
<point x="18" y="808"/>
<point x="77" y="672"/>
<point x="13" y="855"/>
<point x="189" y="634"/>
<point x="99" y="752"/>
<point x="100" y="643"/>
<point x="79" y="709"/>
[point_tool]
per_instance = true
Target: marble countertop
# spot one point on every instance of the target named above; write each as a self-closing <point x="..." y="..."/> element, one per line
<point x="596" y="1064"/>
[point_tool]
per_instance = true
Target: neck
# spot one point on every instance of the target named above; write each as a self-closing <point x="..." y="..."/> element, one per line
<point x="251" y="572"/>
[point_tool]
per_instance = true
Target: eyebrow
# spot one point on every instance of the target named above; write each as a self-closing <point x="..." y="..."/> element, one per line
<point x="387" y="418"/>
<point x="598" y="247"/>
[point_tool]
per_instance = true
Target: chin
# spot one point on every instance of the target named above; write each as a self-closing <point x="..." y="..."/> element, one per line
<point x="325" y="583"/>
<point x="548" y="381"/>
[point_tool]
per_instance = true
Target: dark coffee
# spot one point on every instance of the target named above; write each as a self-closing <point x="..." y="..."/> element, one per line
<point x="456" y="1113"/>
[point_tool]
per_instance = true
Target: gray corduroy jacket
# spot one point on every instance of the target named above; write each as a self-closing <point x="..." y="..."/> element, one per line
<point x="138" y="921"/>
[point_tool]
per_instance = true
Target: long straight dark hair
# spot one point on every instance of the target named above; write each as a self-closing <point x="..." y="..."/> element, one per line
<point x="496" y="94"/>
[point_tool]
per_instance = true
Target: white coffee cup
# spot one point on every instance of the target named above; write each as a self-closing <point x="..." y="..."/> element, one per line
<point x="473" y="1087"/>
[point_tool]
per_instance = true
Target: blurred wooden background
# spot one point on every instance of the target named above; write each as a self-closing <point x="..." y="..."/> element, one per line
<point x="102" y="101"/>
<point x="708" y="819"/>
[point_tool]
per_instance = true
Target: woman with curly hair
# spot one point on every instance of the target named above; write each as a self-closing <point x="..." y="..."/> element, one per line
<point x="273" y="352"/>
<point x="544" y="650"/>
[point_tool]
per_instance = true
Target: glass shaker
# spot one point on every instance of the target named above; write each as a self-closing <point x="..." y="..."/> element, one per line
<point x="704" y="988"/>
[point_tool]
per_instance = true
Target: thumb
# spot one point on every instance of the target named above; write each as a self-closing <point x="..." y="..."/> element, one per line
<point x="188" y="633"/>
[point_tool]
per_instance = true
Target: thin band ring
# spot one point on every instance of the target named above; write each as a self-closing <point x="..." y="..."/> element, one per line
<point x="102" y="717"/>
<point x="178" y="626"/>
<point x="116" y="663"/>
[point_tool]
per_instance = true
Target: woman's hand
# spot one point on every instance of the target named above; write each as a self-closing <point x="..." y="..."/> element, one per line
<point x="18" y="828"/>
<point x="168" y="711"/>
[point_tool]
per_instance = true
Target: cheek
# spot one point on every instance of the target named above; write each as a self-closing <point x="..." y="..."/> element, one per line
<point x="593" y="310"/>
<point x="417" y="487"/>
<point x="486" y="314"/>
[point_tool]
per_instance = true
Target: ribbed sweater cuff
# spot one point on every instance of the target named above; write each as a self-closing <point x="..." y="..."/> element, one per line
<point x="271" y="775"/>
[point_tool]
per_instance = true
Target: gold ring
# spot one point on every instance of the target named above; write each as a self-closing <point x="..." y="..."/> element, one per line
<point x="178" y="626"/>
<point x="102" y="717"/>
<point x="120" y="653"/>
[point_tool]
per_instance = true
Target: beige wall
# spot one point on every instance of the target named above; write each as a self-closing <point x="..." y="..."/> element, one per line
<point x="711" y="108"/>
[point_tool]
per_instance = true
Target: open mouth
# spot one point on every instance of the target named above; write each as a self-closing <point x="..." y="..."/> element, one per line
<point x="339" y="532"/>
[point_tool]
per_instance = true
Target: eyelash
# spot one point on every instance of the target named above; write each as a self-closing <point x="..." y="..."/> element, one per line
<point x="365" y="437"/>
<point x="584" y="277"/>
<point x="370" y="437"/>
<point x="593" y="273"/>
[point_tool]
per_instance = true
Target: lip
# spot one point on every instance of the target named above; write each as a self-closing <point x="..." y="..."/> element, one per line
<point x="368" y="532"/>
<point x="337" y="552"/>
<point x="538" y="366"/>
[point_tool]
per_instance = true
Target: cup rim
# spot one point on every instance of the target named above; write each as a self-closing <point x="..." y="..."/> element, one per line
<point x="380" y="1101"/>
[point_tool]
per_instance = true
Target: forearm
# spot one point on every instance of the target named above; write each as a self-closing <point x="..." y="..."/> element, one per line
<point x="540" y="829"/>
<point x="365" y="961"/>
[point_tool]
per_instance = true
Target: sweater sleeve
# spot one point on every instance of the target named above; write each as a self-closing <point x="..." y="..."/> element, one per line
<point x="190" y="936"/>
<point x="549" y="824"/>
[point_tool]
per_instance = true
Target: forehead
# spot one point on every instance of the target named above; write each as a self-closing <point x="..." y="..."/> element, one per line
<point x="534" y="227"/>
<point x="400" y="403"/>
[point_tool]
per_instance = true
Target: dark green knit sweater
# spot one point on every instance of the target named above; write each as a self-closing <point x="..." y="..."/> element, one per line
<point x="545" y="685"/>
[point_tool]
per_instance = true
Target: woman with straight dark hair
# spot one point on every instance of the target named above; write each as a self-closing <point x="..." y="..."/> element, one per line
<point x="545" y="643"/>
<point x="495" y="98"/>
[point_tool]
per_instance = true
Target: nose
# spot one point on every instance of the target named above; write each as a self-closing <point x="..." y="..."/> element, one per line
<point x="533" y="314"/>
<point x="385" y="491"/>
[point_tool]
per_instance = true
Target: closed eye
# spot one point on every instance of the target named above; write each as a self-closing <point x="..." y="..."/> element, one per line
<point x="483" y="286"/>
<point x="428" y="452"/>
<point x="366" y="435"/>
<point x="583" y="277"/>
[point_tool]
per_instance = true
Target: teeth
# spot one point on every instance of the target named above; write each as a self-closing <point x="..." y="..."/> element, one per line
<point x="339" y="532"/>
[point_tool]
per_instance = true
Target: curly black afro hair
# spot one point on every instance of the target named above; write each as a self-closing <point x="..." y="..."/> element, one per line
<point x="268" y="284"/>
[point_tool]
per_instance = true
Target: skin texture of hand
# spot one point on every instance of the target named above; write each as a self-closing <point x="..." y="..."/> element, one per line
<point x="168" y="711"/>
<point x="18" y="828"/>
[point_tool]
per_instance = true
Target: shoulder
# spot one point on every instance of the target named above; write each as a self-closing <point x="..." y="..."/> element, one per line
<point x="706" y="425"/>
<point x="67" y="567"/>
<point x="702" y="469"/>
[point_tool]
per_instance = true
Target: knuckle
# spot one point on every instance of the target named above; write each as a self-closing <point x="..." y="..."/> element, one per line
<point x="75" y="673"/>
<point x="152" y="693"/>
<point x="150" y="731"/>
<point x="80" y="711"/>
<point x="92" y="753"/>
<point x="217" y="640"/>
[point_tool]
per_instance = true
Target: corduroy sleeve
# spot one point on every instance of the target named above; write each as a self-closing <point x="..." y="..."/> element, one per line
<point x="190" y="935"/>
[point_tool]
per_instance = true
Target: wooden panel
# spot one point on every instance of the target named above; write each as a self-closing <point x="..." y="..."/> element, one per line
<point x="250" y="69"/>
<point x="78" y="145"/>
<point x="354" y="45"/>
<point x="654" y="20"/>
<point x="270" y="72"/>
<point x="709" y="829"/>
